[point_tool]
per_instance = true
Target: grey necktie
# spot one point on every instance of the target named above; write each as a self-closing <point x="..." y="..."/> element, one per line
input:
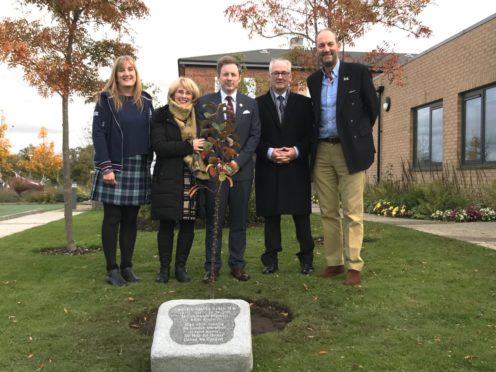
<point x="281" y="107"/>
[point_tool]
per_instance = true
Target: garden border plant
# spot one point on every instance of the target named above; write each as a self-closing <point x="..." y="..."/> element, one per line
<point x="438" y="193"/>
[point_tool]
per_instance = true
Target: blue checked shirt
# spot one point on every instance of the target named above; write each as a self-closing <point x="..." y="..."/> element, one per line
<point x="328" y="98"/>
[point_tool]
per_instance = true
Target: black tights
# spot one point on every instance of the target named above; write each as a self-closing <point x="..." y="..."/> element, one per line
<point x="165" y="239"/>
<point x="119" y="221"/>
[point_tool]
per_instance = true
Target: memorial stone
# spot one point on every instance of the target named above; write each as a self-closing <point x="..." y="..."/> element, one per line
<point x="202" y="335"/>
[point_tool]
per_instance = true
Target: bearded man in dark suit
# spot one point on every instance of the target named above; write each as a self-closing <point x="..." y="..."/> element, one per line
<point x="282" y="171"/>
<point x="247" y="129"/>
<point x="345" y="106"/>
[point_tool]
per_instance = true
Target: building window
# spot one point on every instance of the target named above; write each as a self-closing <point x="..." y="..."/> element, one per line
<point x="479" y="126"/>
<point x="428" y="136"/>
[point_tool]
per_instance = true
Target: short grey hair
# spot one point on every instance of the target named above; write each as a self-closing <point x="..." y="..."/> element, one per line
<point x="276" y="60"/>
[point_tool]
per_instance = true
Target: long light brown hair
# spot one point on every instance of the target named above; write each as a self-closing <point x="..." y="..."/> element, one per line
<point x="112" y="87"/>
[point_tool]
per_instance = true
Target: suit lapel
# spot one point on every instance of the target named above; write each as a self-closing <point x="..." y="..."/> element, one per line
<point x="342" y="85"/>
<point x="239" y="109"/>
<point x="269" y="102"/>
<point x="217" y="99"/>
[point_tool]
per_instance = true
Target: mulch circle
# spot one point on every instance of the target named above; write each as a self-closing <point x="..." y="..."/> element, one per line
<point x="64" y="251"/>
<point x="266" y="316"/>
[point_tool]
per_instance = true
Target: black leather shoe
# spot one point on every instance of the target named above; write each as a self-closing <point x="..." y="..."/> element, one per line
<point x="269" y="269"/>
<point x="240" y="274"/>
<point x="163" y="275"/>
<point x="129" y="276"/>
<point x="307" y="269"/>
<point x="181" y="275"/>
<point x="114" y="277"/>
<point x="210" y="277"/>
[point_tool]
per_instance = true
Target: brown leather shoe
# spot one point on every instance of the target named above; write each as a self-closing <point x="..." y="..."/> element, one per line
<point x="353" y="278"/>
<point x="331" y="271"/>
<point x="240" y="274"/>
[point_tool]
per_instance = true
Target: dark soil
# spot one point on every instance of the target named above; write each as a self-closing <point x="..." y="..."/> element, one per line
<point x="79" y="251"/>
<point x="266" y="317"/>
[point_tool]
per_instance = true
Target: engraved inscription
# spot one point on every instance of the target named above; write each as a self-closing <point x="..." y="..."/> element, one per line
<point x="209" y="323"/>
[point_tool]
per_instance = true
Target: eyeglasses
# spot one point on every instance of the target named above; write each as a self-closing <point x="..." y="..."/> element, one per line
<point x="184" y="92"/>
<point x="282" y="73"/>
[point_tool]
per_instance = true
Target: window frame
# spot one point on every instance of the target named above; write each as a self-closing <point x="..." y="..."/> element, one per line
<point x="480" y="93"/>
<point x="436" y="105"/>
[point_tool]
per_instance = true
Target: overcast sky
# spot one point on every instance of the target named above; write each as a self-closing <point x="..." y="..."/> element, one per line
<point x="188" y="28"/>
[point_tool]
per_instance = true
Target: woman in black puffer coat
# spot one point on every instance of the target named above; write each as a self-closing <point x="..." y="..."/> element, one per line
<point x="177" y="168"/>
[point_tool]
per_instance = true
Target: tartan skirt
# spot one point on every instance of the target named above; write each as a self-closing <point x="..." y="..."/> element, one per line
<point x="133" y="183"/>
<point x="189" y="204"/>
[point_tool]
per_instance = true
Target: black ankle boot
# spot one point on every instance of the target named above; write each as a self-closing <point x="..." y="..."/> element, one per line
<point x="114" y="277"/>
<point x="181" y="275"/>
<point x="163" y="275"/>
<point x="129" y="276"/>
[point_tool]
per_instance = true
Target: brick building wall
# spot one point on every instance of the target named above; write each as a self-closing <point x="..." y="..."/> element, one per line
<point x="464" y="62"/>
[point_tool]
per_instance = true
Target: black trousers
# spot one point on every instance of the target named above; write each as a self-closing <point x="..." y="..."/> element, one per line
<point x="235" y="198"/>
<point x="272" y="235"/>
<point x="119" y="222"/>
<point x="165" y="241"/>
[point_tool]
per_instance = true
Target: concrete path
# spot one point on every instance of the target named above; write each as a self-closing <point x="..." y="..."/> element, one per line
<point x="15" y="225"/>
<point x="480" y="233"/>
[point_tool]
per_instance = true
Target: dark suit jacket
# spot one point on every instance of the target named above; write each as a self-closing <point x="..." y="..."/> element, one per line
<point x="247" y="127"/>
<point x="357" y="108"/>
<point x="284" y="188"/>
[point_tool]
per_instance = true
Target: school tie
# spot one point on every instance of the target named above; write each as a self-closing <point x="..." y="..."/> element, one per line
<point x="281" y="107"/>
<point x="230" y="109"/>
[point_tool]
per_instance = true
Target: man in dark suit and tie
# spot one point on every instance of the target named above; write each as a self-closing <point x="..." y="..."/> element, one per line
<point x="345" y="106"/>
<point x="247" y="128"/>
<point x="282" y="177"/>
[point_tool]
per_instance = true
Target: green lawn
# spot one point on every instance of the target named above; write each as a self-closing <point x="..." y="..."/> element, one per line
<point x="427" y="304"/>
<point x="11" y="210"/>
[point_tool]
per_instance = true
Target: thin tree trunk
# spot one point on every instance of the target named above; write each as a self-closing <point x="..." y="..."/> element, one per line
<point x="69" y="229"/>
<point x="215" y="237"/>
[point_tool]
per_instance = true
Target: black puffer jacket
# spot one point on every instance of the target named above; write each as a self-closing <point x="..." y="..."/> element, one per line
<point x="168" y="174"/>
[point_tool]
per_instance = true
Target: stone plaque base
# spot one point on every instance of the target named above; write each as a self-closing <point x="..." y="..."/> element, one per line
<point x="202" y="336"/>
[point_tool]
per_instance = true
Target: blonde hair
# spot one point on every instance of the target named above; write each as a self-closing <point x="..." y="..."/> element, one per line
<point x="186" y="83"/>
<point x="112" y="86"/>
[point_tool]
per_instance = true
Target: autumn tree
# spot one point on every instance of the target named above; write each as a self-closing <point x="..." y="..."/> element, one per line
<point x="61" y="53"/>
<point x="350" y="19"/>
<point x="43" y="161"/>
<point x="4" y="147"/>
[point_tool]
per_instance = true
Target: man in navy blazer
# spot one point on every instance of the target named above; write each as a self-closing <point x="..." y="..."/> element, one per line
<point x="282" y="178"/>
<point x="345" y="107"/>
<point x="247" y="127"/>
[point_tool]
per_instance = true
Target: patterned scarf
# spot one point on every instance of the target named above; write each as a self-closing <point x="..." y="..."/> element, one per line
<point x="185" y="119"/>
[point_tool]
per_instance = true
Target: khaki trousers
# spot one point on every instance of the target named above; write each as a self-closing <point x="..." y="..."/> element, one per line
<point x="341" y="205"/>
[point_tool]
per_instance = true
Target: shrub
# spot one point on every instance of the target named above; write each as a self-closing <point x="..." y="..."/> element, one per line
<point x="8" y="196"/>
<point x="469" y="214"/>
